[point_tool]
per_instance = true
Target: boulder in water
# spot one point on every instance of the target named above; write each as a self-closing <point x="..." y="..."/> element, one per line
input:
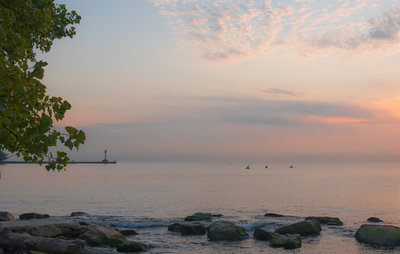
<point x="127" y="232"/>
<point x="303" y="228"/>
<point x="73" y="214"/>
<point x="28" y="216"/>
<point x="132" y="247"/>
<point x="326" y="220"/>
<point x="225" y="231"/>
<point x="263" y="235"/>
<point x="100" y="234"/>
<point x="274" y="215"/>
<point x="199" y="217"/>
<point x="374" y="219"/>
<point x="380" y="235"/>
<point x="6" y="216"/>
<point x="286" y="241"/>
<point x="188" y="229"/>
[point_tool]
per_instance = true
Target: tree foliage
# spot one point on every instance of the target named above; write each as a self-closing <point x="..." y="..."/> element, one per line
<point x="27" y="113"/>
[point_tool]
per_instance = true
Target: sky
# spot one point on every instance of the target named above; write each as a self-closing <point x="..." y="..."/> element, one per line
<point x="232" y="81"/>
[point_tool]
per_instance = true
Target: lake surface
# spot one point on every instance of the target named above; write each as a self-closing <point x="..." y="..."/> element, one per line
<point x="150" y="196"/>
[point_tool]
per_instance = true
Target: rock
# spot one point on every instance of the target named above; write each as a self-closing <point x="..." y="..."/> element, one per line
<point x="286" y="241"/>
<point x="68" y="228"/>
<point x="273" y="215"/>
<point x="132" y="247"/>
<point x="1" y="251"/>
<point x="101" y="234"/>
<point x="127" y="232"/>
<point x="79" y="214"/>
<point x="225" y="230"/>
<point x="381" y="235"/>
<point x="6" y="216"/>
<point x="28" y="216"/>
<point x="326" y="220"/>
<point x="176" y="227"/>
<point x="263" y="235"/>
<point x="217" y="215"/>
<point x="374" y="219"/>
<point x="192" y="229"/>
<point x="199" y="217"/>
<point x="44" y="231"/>
<point x="188" y="229"/>
<point x="303" y="228"/>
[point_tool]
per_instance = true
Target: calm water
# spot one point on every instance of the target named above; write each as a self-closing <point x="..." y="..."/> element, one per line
<point x="150" y="196"/>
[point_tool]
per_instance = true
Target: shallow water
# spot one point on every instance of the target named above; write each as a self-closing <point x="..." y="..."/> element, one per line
<point x="150" y="196"/>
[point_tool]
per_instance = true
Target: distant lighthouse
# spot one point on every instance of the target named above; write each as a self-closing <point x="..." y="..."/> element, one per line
<point x="105" y="157"/>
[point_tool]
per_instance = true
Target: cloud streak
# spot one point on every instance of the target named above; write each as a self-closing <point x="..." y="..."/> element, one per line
<point x="227" y="30"/>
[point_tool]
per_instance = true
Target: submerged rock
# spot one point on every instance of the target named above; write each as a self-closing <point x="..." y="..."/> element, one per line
<point x="28" y="216"/>
<point x="286" y="241"/>
<point x="380" y="235"/>
<point x="263" y="235"/>
<point x="132" y="247"/>
<point x="274" y="215"/>
<point x="199" y="217"/>
<point x="176" y="227"/>
<point x="6" y="216"/>
<point x="303" y="228"/>
<point x="73" y="214"/>
<point x="225" y="230"/>
<point x="374" y="219"/>
<point x="326" y="220"/>
<point x="127" y="232"/>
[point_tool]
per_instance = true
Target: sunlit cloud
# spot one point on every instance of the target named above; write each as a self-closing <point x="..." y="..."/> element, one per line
<point x="284" y="92"/>
<point x="227" y="30"/>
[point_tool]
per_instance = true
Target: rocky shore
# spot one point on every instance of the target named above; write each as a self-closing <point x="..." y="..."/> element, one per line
<point x="39" y="233"/>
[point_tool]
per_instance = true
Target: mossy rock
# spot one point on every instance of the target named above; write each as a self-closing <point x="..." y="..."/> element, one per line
<point x="73" y="214"/>
<point x="326" y="220"/>
<point x="380" y="235"/>
<point x="303" y="228"/>
<point x="199" y="217"/>
<point x="176" y="227"/>
<point x="263" y="235"/>
<point x="28" y="216"/>
<point x="116" y="240"/>
<point x="286" y="241"/>
<point x="225" y="231"/>
<point x="192" y="229"/>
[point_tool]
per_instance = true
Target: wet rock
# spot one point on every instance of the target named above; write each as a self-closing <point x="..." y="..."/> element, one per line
<point x="286" y="241"/>
<point x="217" y="215"/>
<point x="1" y="251"/>
<point x="274" y="215"/>
<point x="44" y="231"/>
<point x="225" y="230"/>
<point x="380" y="235"/>
<point x="374" y="219"/>
<point x="303" y="228"/>
<point x="28" y="216"/>
<point x="199" y="217"/>
<point x="6" y="216"/>
<point x="176" y="227"/>
<point x="127" y="232"/>
<point x="263" y="235"/>
<point x="101" y="234"/>
<point x="326" y="220"/>
<point x="192" y="229"/>
<point x="78" y="214"/>
<point x="132" y="247"/>
<point x="188" y="229"/>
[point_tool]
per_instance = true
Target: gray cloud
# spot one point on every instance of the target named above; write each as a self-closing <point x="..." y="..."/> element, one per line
<point x="278" y="91"/>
